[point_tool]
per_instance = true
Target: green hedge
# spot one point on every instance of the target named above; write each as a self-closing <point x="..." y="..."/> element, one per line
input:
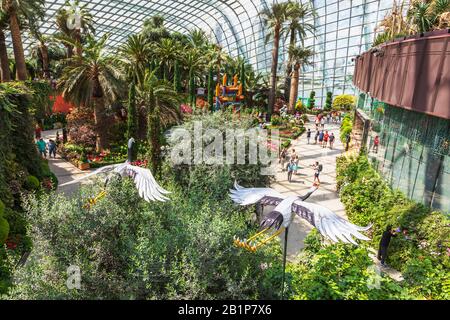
<point x="422" y="254"/>
<point x="346" y="127"/>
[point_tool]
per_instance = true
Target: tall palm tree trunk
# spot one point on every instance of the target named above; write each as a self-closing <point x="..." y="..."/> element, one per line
<point x="287" y="81"/>
<point x="69" y="51"/>
<point x="100" y="142"/>
<point x="4" y="61"/>
<point x="273" y="80"/>
<point x="45" y="61"/>
<point x="19" y="54"/>
<point x="79" y="48"/>
<point x="294" y="89"/>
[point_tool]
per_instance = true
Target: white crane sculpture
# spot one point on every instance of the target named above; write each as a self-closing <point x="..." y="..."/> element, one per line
<point x="328" y="223"/>
<point x="143" y="178"/>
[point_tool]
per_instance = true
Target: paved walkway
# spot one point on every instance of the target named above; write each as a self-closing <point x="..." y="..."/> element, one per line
<point x="64" y="170"/>
<point x="325" y="196"/>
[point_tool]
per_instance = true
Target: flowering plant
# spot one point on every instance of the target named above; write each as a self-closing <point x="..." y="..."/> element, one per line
<point x="185" y="109"/>
<point x="140" y="163"/>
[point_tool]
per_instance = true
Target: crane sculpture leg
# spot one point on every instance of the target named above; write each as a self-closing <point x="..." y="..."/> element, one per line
<point x="284" y="261"/>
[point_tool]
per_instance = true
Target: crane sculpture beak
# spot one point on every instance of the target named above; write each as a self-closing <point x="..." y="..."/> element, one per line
<point x="273" y="222"/>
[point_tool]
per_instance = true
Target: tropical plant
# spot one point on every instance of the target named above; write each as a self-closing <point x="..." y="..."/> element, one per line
<point x="427" y="15"/>
<point x="198" y="39"/>
<point x="17" y="11"/>
<point x="344" y="102"/>
<point x="154" y="30"/>
<point x="274" y="18"/>
<point x="166" y="52"/>
<point x="134" y="56"/>
<point x="329" y="101"/>
<point x="162" y="105"/>
<point x="217" y="56"/>
<point x="93" y="81"/>
<point x="211" y="88"/>
<point x="297" y="28"/>
<point x="42" y="47"/>
<point x="177" y="76"/>
<point x="71" y="34"/>
<point x="133" y="121"/>
<point x="312" y="100"/>
<point x="299" y="57"/>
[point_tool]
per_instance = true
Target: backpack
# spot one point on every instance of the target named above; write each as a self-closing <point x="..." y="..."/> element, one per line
<point x="320" y="167"/>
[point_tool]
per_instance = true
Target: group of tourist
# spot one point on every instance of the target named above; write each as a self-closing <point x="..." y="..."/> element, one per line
<point x="292" y="166"/>
<point x="43" y="146"/>
<point x="325" y="139"/>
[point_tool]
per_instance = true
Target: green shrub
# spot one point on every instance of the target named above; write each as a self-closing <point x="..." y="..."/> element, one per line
<point x="32" y="183"/>
<point x="276" y="120"/>
<point x="344" y="102"/>
<point x="338" y="271"/>
<point x="368" y="199"/>
<point x="4" y="230"/>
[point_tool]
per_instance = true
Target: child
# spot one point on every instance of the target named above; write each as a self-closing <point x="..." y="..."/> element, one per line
<point x="52" y="148"/>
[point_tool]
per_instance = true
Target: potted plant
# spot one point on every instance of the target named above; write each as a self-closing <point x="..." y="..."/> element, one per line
<point x="83" y="163"/>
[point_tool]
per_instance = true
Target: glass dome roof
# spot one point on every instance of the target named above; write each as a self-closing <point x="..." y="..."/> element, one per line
<point x="344" y="29"/>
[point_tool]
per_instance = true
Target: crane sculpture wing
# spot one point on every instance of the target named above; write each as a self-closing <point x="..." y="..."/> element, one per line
<point x="143" y="178"/>
<point x="328" y="223"/>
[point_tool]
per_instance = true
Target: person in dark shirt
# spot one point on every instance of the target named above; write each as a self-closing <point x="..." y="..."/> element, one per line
<point x="384" y="244"/>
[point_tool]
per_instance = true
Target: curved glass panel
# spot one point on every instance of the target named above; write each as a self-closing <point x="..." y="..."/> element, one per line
<point x="344" y="29"/>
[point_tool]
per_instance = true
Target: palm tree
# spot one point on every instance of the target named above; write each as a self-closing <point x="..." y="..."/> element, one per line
<point x="273" y="19"/>
<point x="4" y="59"/>
<point x="93" y="80"/>
<point x="154" y="30"/>
<point x="195" y="62"/>
<point x="166" y="51"/>
<point x="134" y="55"/>
<point x="217" y="56"/>
<point x="198" y="39"/>
<point x="21" y="9"/>
<point x="299" y="57"/>
<point x="68" y="32"/>
<point x="297" y="14"/>
<point x="42" y="49"/>
<point x="162" y="104"/>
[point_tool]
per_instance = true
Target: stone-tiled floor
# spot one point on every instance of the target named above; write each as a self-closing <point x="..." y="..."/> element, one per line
<point x="325" y="196"/>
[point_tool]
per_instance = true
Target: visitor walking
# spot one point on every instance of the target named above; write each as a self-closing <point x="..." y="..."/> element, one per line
<point x="308" y="135"/>
<point x="376" y="143"/>
<point x="332" y="137"/>
<point x="316" y="137"/>
<point x="42" y="147"/>
<point x="283" y="157"/>
<point x="38" y="132"/>
<point x="322" y="122"/>
<point x="347" y="141"/>
<point x="317" y="122"/>
<point x="325" y="139"/>
<point x="321" y="135"/>
<point x="290" y="169"/>
<point x="339" y="115"/>
<point x="328" y="118"/>
<point x="51" y="148"/>
<point x="384" y="244"/>
<point x="317" y="170"/>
